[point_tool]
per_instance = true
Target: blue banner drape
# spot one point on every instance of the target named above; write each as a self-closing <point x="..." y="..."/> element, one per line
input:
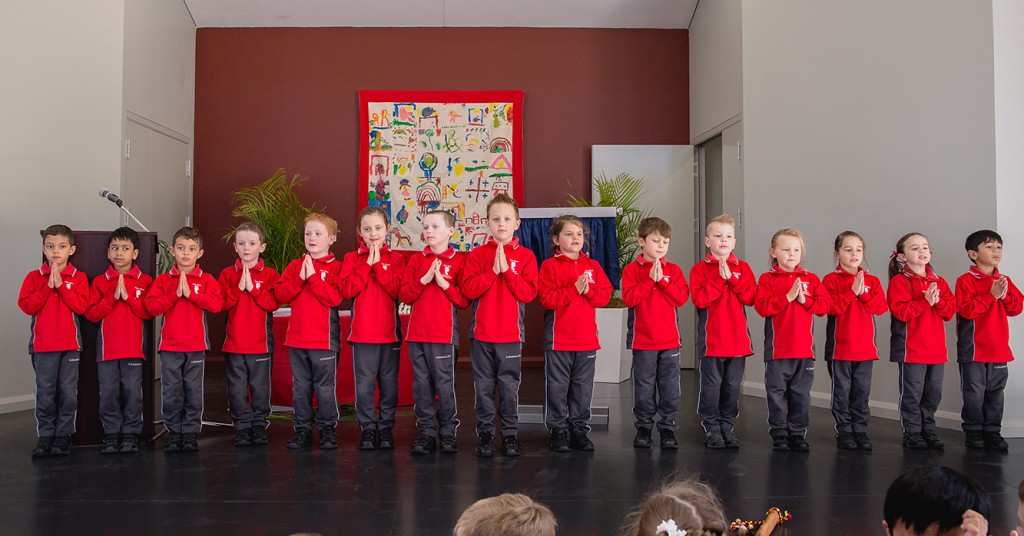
<point x="602" y="245"/>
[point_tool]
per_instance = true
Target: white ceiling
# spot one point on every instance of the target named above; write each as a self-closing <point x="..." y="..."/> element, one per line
<point x="673" y="14"/>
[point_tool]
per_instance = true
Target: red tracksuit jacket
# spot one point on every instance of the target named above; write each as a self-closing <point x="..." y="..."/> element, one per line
<point x="499" y="300"/>
<point x="789" y="325"/>
<point x="721" y="318"/>
<point x="983" y="332"/>
<point x="652" y="322"/>
<point x="250" y="327"/>
<point x="314" y="322"/>
<point x="433" y="318"/>
<point x="850" y="333"/>
<point x="185" y="327"/>
<point x="918" y="331"/>
<point x="374" y="294"/>
<point x="54" y="324"/>
<point x="570" y="324"/>
<point x="121" y="321"/>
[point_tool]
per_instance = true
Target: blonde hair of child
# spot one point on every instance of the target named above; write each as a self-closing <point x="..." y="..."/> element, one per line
<point x="786" y="231"/>
<point x="509" y="514"/>
<point x="327" y="221"/>
<point x="723" y="219"/>
<point x="503" y="199"/>
<point x="691" y="505"/>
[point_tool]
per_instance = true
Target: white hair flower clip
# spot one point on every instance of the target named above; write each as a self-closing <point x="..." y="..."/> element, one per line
<point x="669" y="527"/>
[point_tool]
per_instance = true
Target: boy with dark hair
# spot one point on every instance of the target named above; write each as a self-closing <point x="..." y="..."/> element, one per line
<point x="183" y="296"/>
<point x="116" y="302"/>
<point x="500" y="276"/>
<point x="985" y="299"/>
<point x="53" y="294"/>
<point x="653" y="289"/>
<point x="249" y="301"/>
<point x="929" y="499"/>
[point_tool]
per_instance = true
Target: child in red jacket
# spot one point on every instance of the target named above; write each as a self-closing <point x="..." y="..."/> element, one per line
<point x="921" y="304"/>
<point x="430" y="287"/>
<point x="721" y="287"/>
<point x="850" y="349"/>
<point x="183" y="296"/>
<point x="985" y="298"/>
<point x="249" y="301"/>
<point x="53" y="294"/>
<point x="116" y="302"/>
<point x="787" y="297"/>
<point x="501" y="277"/>
<point x="653" y="289"/>
<point x="371" y="277"/>
<point x="310" y="285"/>
<point x="571" y="286"/>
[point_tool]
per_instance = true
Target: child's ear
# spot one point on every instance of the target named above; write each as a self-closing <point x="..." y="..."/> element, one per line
<point x="973" y="255"/>
<point x="135" y="254"/>
<point x="200" y="254"/>
<point x="71" y="251"/>
<point x="332" y="238"/>
<point x="263" y="247"/>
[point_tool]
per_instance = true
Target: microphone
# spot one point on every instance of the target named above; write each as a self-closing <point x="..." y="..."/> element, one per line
<point x="112" y="197"/>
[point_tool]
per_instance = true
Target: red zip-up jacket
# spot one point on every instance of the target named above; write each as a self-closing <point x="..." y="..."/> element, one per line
<point x="850" y="332"/>
<point x="499" y="300"/>
<point x="54" y="324"/>
<point x="721" y="315"/>
<point x="982" y="329"/>
<point x="918" y="332"/>
<point x="121" y="321"/>
<point x="185" y="328"/>
<point x="789" y="325"/>
<point x="570" y="324"/>
<point x="314" y="323"/>
<point x="652" y="321"/>
<point x="433" y="317"/>
<point x="374" y="294"/>
<point x="250" y="325"/>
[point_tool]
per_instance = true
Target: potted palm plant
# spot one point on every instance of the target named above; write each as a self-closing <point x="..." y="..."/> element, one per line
<point x="624" y="192"/>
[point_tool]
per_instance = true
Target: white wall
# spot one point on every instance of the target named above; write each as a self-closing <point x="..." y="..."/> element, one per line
<point x="160" y="63"/>
<point x="60" y="140"/>
<point x="1008" y="40"/>
<point x="875" y="116"/>
<point x="716" y="67"/>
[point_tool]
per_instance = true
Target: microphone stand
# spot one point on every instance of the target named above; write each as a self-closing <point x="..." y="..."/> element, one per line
<point x="132" y="216"/>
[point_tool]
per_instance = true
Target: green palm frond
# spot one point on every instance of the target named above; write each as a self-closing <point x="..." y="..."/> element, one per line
<point x="274" y="205"/>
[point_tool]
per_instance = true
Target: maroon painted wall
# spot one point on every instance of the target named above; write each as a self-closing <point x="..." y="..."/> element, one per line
<point x="286" y="97"/>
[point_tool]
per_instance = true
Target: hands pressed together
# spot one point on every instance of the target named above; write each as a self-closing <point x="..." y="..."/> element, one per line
<point x="434" y="274"/>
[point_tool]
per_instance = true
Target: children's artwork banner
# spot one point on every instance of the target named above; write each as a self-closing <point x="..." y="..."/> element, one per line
<point x="439" y="150"/>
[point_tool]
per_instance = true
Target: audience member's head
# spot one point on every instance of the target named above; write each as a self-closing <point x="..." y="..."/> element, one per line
<point x="935" y="501"/>
<point x="510" y="514"/>
<point x="688" y="505"/>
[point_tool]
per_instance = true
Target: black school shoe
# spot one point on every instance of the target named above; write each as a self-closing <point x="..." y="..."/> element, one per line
<point x="385" y="439"/>
<point x="485" y="446"/>
<point x="714" y="440"/>
<point x="932" y="439"/>
<point x="243" y="438"/>
<point x="368" y="440"/>
<point x="173" y="442"/>
<point x="328" y="439"/>
<point x="189" y="443"/>
<point x="129" y="443"/>
<point x="259" y="436"/>
<point x="579" y="441"/>
<point x="730" y="439"/>
<point x="845" y="441"/>
<point x="560" y="441"/>
<point x="43" y="447"/>
<point x="510" y="446"/>
<point x="111" y="444"/>
<point x="975" y="440"/>
<point x="914" y="441"/>
<point x="863" y="443"/>
<point x="302" y="438"/>
<point x="995" y="441"/>
<point x="668" y="440"/>
<point x="424" y="444"/>
<point x="448" y="445"/>
<point x="798" y="443"/>
<point x="642" y="440"/>
<point x="61" y="446"/>
<point x="780" y="442"/>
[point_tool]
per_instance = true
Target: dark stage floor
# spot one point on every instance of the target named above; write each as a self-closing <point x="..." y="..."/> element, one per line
<point x="273" y="491"/>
